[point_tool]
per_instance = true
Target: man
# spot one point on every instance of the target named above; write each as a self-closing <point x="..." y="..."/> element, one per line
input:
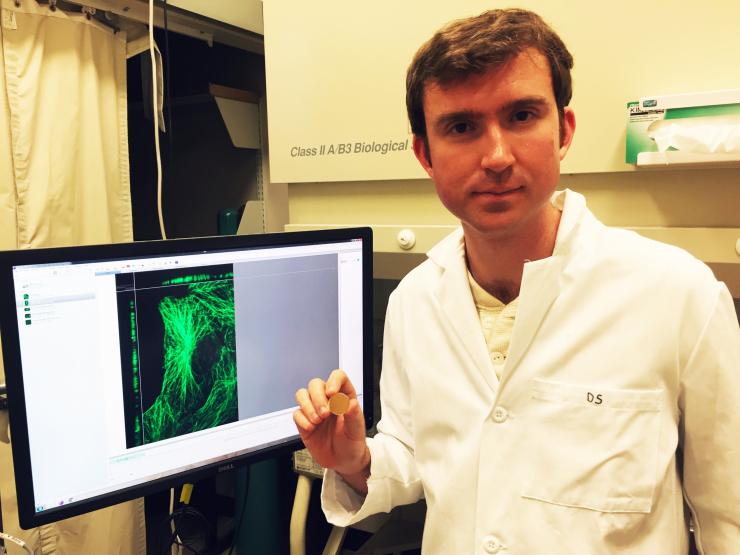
<point x="549" y="385"/>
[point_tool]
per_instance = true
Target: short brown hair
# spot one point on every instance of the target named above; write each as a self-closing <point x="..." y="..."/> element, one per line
<point x="477" y="44"/>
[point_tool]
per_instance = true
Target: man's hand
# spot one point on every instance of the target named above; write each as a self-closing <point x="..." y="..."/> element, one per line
<point x="336" y="442"/>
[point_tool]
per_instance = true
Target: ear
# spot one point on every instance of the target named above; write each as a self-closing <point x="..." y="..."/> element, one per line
<point x="569" y="128"/>
<point x="422" y="154"/>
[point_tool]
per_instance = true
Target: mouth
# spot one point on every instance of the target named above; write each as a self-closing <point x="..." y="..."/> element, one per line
<point x="498" y="194"/>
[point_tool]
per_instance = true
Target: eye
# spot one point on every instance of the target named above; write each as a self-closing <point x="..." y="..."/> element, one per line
<point x="523" y="115"/>
<point x="460" y="128"/>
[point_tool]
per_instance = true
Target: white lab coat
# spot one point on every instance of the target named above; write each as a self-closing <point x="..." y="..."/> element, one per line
<point x="623" y="351"/>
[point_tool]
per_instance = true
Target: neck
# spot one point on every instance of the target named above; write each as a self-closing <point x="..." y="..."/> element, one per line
<point x="497" y="261"/>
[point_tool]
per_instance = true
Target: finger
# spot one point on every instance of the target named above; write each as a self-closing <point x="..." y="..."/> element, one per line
<point x="306" y="406"/>
<point x="317" y="392"/>
<point x="354" y="407"/>
<point x="335" y="381"/>
<point x="349" y="388"/>
<point x="304" y="425"/>
<point x="339" y="381"/>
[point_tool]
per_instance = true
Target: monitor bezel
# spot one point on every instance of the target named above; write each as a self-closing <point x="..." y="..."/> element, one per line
<point x="27" y="515"/>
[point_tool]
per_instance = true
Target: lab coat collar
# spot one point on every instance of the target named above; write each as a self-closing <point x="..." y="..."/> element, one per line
<point x="574" y="213"/>
<point x="540" y="287"/>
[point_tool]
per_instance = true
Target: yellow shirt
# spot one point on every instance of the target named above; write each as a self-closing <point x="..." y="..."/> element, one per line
<point x="497" y="323"/>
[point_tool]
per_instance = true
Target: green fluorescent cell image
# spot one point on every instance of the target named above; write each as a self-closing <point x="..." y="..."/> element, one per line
<point x="199" y="381"/>
<point x="181" y="370"/>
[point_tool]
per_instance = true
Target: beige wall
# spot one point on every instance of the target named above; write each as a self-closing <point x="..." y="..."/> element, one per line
<point x="318" y="56"/>
<point x="246" y="14"/>
<point x="696" y="209"/>
<point x="336" y="73"/>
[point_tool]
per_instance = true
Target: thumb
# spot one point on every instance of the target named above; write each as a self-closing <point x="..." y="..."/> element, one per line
<point x="354" y="422"/>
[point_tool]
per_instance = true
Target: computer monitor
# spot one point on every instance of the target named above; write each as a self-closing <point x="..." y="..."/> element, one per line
<point x="133" y="367"/>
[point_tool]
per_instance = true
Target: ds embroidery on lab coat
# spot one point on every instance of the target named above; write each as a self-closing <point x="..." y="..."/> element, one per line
<point x="623" y="350"/>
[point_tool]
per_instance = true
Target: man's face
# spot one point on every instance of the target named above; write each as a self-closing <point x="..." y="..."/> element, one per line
<point x="495" y="146"/>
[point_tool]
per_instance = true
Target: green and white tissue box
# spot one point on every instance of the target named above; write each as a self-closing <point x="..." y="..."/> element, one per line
<point x="684" y="129"/>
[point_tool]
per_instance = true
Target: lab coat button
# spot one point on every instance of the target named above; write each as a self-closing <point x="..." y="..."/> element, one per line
<point x="497" y="357"/>
<point x="491" y="544"/>
<point x="500" y="414"/>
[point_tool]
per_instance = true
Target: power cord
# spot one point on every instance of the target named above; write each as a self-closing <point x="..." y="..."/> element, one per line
<point x="17" y="541"/>
<point x="166" y="62"/>
<point x="155" y="114"/>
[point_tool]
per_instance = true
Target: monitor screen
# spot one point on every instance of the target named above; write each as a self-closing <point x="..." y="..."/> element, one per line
<point x="133" y="367"/>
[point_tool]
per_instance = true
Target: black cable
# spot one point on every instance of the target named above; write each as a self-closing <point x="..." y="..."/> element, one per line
<point x="208" y="538"/>
<point x="180" y="511"/>
<point x="173" y="534"/>
<point x="169" y="542"/>
<point x="237" y="529"/>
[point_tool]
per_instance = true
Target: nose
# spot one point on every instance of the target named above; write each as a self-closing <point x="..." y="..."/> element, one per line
<point x="497" y="156"/>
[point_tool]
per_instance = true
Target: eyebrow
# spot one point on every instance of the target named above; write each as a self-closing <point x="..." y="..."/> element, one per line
<point x="526" y="102"/>
<point x="513" y="106"/>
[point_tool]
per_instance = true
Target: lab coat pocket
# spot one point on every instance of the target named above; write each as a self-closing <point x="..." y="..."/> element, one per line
<point x="592" y="447"/>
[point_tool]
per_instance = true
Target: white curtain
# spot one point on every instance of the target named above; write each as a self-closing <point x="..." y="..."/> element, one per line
<point x="64" y="181"/>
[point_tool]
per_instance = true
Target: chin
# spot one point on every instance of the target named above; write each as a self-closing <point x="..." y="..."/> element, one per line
<point x="500" y="228"/>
